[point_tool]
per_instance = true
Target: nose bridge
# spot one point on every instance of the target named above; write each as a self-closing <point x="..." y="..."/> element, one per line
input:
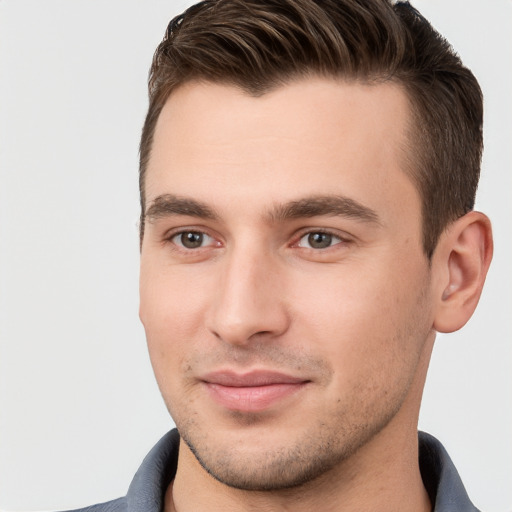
<point x="249" y="300"/>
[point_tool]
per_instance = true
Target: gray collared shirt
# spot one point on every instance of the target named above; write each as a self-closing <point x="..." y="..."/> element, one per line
<point x="147" y="490"/>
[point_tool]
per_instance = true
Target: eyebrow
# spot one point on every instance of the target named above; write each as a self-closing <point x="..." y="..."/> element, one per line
<point x="332" y="205"/>
<point x="168" y="204"/>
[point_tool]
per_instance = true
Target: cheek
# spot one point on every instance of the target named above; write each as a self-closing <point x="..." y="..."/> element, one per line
<point x="367" y="323"/>
<point x="171" y="308"/>
<point x="170" y="299"/>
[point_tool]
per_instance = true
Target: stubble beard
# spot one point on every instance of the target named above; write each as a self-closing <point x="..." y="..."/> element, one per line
<point x="293" y="464"/>
<point x="323" y="445"/>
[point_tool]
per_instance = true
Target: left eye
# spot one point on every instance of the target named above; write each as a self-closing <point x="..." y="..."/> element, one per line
<point x="318" y="240"/>
<point x="192" y="239"/>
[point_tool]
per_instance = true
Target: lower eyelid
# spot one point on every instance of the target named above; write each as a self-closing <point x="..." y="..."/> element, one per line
<point x="209" y="242"/>
<point x="176" y="238"/>
<point x="336" y="239"/>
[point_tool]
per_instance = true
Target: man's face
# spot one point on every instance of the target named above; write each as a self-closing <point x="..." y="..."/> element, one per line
<point x="284" y="290"/>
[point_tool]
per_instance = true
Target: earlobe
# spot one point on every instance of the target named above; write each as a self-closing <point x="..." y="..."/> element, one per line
<point x="461" y="260"/>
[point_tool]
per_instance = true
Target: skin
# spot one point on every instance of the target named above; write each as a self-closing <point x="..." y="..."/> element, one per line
<point x="284" y="276"/>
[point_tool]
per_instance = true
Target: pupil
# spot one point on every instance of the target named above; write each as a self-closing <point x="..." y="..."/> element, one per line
<point x="319" y="240"/>
<point x="192" y="239"/>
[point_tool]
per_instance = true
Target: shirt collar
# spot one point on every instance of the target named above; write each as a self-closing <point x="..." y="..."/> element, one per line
<point x="441" y="478"/>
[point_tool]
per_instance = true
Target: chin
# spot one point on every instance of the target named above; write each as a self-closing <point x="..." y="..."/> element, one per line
<point x="271" y="469"/>
<point x="269" y="458"/>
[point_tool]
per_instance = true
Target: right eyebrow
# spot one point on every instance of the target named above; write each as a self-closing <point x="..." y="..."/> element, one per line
<point x="167" y="205"/>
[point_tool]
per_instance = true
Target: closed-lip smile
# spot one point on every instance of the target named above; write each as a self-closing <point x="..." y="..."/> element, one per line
<point x="253" y="391"/>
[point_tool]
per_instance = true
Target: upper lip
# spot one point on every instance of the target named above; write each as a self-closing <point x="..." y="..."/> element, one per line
<point x="250" y="379"/>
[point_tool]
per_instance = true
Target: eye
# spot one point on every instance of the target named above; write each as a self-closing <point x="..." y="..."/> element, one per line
<point x="192" y="239"/>
<point x="318" y="240"/>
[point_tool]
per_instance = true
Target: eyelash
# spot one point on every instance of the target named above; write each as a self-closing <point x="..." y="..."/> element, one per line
<point x="337" y="238"/>
<point x="341" y="240"/>
<point x="171" y="237"/>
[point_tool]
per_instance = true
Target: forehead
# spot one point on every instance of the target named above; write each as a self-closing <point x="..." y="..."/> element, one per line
<point x="309" y="137"/>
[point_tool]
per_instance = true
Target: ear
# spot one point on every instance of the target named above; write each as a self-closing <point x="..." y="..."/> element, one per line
<point x="461" y="261"/>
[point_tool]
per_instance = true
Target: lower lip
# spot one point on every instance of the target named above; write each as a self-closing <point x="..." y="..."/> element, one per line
<point x="254" y="398"/>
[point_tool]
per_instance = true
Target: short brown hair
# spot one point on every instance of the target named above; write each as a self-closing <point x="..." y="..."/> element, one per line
<point x="258" y="45"/>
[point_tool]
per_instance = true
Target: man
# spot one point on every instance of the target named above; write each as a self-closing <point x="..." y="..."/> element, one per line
<point x="307" y="176"/>
<point x="290" y="325"/>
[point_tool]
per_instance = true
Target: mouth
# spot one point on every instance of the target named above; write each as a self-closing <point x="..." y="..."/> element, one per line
<point x="251" y="392"/>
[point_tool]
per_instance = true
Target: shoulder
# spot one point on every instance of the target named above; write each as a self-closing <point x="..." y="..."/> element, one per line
<point x="147" y="489"/>
<point x="118" y="505"/>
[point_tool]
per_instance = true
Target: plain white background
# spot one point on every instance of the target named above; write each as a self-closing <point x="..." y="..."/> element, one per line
<point x="78" y="404"/>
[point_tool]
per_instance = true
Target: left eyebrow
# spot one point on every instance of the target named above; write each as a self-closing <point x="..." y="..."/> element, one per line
<point x="335" y="205"/>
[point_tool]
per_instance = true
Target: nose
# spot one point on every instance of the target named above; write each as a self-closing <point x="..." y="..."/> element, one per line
<point x="249" y="302"/>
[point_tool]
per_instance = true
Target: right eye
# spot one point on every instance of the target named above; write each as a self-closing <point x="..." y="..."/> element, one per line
<point x="192" y="240"/>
